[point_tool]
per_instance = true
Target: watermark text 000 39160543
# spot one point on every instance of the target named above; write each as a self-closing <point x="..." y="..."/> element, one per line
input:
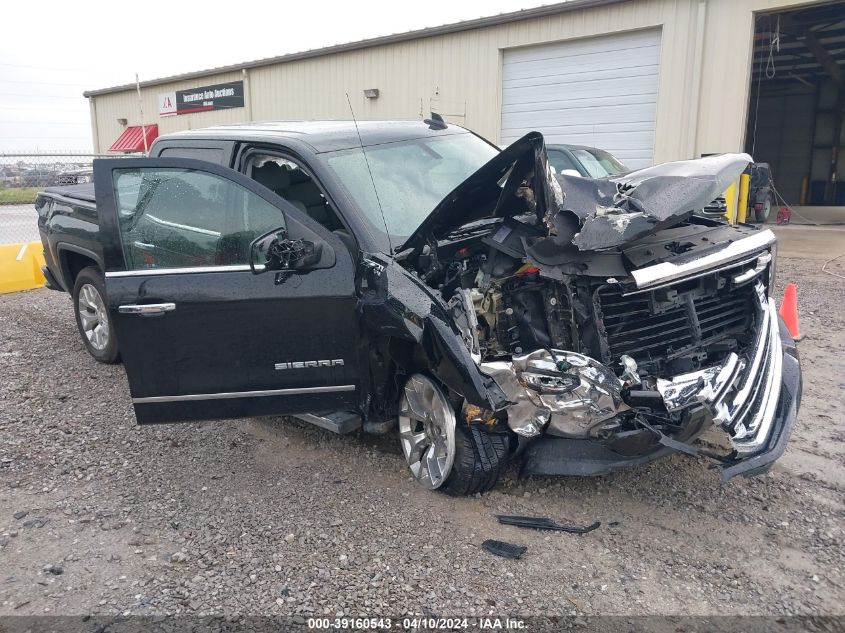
<point x="125" y="623"/>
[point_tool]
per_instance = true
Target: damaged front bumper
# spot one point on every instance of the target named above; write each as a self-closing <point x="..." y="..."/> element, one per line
<point x="747" y="396"/>
<point x="753" y="398"/>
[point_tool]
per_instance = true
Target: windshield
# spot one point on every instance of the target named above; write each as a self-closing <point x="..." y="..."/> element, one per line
<point x="411" y="177"/>
<point x="598" y="163"/>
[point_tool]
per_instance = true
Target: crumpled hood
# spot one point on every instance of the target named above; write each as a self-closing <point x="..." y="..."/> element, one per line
<point x="481" y="196"/>
<point x="591" y="214"/>
<point x="617" y="210"/>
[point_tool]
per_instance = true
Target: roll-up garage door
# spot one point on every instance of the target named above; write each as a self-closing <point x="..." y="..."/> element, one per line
<point x="600" y="92"/>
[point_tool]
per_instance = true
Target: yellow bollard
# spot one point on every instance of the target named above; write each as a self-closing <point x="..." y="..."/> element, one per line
<point x="730" y="203"/>
<point x="20" y="266"/>
<point x="742" y="205"/>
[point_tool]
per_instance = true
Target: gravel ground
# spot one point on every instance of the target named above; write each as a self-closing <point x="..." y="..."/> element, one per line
<point x="98" y="515"/>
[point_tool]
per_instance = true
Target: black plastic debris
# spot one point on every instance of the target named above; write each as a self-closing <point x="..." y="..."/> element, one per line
<point x="545" y="523"/>
<point x="505" y="550"/>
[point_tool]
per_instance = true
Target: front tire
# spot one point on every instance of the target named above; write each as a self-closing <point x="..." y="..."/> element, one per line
<point x="441" y="453"/>
<point x="479" y="460"/>
<point x="92" y="317"/>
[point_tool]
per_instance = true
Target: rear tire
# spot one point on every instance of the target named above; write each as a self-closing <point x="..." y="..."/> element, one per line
<point x="762" y="215"/>
<point x="480" y="458"/>
<point x="92" y="317"/>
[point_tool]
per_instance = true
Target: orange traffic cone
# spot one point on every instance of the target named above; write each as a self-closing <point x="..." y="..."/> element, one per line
<point x="789" y="311"/>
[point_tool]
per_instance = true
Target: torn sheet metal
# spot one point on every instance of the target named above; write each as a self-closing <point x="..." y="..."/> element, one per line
<point x="518" y="181"/>
<point x="592" y="214"/>
<point x="571" y="392"/>
<point x="614" y="211"/>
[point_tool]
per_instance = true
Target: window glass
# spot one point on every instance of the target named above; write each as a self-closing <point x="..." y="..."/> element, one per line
<point x="290" y="181"/>
<point x="561" y="161"/>
<point x="210" y="154"/>
<point x="599" y="163"/>
<point x="411" y="177"/>
<point x="184" y="218"/>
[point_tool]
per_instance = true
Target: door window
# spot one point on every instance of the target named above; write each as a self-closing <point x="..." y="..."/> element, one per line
<point x="289" y="181"/>
<point x="184" y="218"/>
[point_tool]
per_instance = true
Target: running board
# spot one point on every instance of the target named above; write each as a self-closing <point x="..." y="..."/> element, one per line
<point x="340" y="422"/>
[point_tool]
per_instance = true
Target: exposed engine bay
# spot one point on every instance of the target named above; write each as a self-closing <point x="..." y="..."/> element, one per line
<point x="529" y="325"/>
<point x="622" y="319"/>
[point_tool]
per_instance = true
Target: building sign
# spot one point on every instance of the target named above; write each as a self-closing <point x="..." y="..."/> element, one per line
<point x="202" y="99"/>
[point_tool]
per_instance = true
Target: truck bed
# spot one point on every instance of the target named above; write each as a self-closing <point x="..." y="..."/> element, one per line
<point x="83" y="192"/>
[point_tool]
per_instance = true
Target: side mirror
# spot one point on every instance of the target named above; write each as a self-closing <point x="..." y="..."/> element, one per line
<point x="275" y="251"/>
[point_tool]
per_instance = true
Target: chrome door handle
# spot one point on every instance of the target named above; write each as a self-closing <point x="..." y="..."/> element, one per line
<point x="147" y="309"/>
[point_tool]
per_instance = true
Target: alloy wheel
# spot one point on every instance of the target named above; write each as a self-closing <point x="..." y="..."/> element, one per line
<point x="427" y="431"/>
<point x="93" y="316"/>
<point x="763" y="214"/>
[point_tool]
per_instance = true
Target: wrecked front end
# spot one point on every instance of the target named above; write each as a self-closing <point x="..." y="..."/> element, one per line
<point x="617" y="324"/>
<point x="659" y="361"/>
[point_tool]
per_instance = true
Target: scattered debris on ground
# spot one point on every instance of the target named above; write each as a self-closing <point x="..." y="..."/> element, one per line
<point x="505" y="550"/>
<point x="545" y="523"/>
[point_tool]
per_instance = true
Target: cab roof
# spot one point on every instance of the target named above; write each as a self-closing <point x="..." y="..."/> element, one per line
<point x="321" y="136"/>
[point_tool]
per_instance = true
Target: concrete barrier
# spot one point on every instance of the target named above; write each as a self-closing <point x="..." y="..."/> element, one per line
<point x="20" y="266"/>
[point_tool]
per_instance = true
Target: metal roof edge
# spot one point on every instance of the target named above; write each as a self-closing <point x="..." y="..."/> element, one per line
<point x="445" y="29"/>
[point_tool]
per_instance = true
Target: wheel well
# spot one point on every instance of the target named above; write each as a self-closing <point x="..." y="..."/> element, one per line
<point x="73" y="263"/>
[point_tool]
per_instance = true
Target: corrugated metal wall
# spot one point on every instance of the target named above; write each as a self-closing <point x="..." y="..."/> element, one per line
<point x="701" y="108"/>
<point x="599" y="91"/>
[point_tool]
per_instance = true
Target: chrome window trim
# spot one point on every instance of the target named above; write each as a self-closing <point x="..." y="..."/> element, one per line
<point x="182" y="271"/>
<point x="244" y="394"/>
<point x="667" y="271"/>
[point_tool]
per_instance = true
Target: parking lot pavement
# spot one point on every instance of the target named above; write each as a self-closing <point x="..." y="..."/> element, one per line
<point x="98" y="515"/>
<point x="810" y="242"/>
<point x="18" y="223"/>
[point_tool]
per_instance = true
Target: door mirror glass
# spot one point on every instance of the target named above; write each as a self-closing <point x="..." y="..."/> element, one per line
<point x="569" y="172"/>
<point x="276" y="251"/>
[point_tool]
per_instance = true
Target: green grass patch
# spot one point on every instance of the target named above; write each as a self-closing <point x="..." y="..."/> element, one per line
<point x="18" y="195"/>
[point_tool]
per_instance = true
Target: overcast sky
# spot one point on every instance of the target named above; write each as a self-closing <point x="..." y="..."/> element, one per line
<point x="51" y="51"/>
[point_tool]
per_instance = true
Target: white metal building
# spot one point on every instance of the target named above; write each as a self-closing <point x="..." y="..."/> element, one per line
<point x="648" y="80"/>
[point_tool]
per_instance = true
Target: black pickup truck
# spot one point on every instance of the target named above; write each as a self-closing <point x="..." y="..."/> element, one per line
<point x="409" y="277"/>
